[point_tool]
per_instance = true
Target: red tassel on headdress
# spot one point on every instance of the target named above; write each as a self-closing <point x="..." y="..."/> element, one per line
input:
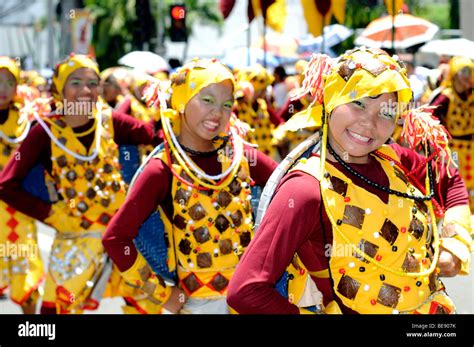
<point x="319" y="66"/>
<point x="151" y="94"/>
<point x="421" y="129"/>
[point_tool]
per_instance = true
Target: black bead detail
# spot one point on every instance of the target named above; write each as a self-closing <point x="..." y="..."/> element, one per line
<point x="394" y="248"/>
<point x="382" y="277"/>
<point x="362" y="269"/>
<point x="380" y="187"/>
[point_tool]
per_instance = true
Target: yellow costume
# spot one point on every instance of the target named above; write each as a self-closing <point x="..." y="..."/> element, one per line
<point x="255" y="113"/>
<point x="400" y="245"/>
<point x="209" y="229"/>
<point x="21" y="268"/>
<point x="459" y="122"/>
<point x="92" y="191"/>
<point x="389" y="251"/>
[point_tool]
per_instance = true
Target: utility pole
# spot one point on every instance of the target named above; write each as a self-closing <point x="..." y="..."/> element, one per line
<point x="67" y="13"/>
<point x="160" y="29"/>
<point x="51" y="12"/>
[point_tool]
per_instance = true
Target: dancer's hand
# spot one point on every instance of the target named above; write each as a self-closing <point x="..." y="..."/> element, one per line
<point x="176" y="300"/>
<point x="448" y="263"/>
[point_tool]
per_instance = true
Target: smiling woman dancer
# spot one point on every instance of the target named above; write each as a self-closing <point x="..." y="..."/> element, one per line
<point x="200" y="182"/>
<point x="369" y="238"/>
<point x="77" y="147"/>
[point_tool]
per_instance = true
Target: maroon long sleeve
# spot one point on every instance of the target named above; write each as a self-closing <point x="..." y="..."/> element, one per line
<point x="290" y="108"/>
<point x="36" y="149"/>
<point x="275" y="117"/>
<point x="442" y="103"/>
<point x="294" y="223"/>
<point x="153" y="188"/>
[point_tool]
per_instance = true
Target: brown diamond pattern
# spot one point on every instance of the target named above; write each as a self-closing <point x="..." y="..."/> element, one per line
<point x="354" y="216"/>
<point x="104" y="218"/>
<point x="82" y="206"/>
<point x="202" y="234"/>
<point x="389" y="231"/>
<point x="368" y="248"/>
<point x="345" y="72"/>
<point x="224" y="199"/>
<point x="225" y="246"/>
<point x="89" y="174"/>
<point x="204" y="260"/>
<point x="221" y="223"/>
<point x="105" y="202"/>
<point x="62" y="161"/>
<point x="421" y="206"/>
<point x="108" y="168"/>
<point x="237" y="218"/>
<point x="374" y="66"/>
<point x="338" y="185"/>
<point x="440" y="309"/>
<point x="219" y="282"/>
<point x="348" y="287"/>
<point x="185" y="246"/>
<point x="192" y="283"/>
<point x="71" y="175"/>
<point x="179" y="221"/>
<point x="235" y="187"/>
<point x="71" y="193"/>
<point x="99" y="183"/>
<point x="410" y="264"/>
<point x="85" y="223"/>
<point x="115" y="186"/>
<point x="182" y="196"/>
<point x="416" y="228"/>
<point x="197" y="211"/>
<point x="90" y="193"/>
<point x="245" y="238"/>
<point x="389" y="295"/>
<point x="60" y="123"/>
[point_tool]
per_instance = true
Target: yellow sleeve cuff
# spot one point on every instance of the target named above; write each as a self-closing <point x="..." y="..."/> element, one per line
<point x="138" y="273"/>
<point x="460" y="250"/>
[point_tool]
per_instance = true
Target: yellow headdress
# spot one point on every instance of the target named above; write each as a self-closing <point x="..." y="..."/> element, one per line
<point x="257" y="75"/>
<point x="193" y="77"/>
<point x="12" y="66"/>
<point x="363" y="73"/>
<point x="67" y="67"/>
<point x="185" y="84"/>
<point x="456" y="64"/>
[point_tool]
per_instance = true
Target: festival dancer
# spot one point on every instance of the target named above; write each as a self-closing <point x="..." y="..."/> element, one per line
<point x="21" y="268"/>
<point x="76" y="150"/>
<point x="455" y="109"/>
<point x="357" y="213"/>
<point x="200" y="182"/>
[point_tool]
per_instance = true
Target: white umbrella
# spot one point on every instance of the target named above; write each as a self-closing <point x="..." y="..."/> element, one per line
<point x="409" y="31"/>
<point x="451" y="47"/>
<point x="144" y="61"/>
<point x="333" y="35"/>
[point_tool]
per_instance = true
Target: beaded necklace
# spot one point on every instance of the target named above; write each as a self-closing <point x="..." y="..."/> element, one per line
<point x="204" y="154"/>
<point x="98" y="136"/>
<point x="380" y="187"/>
